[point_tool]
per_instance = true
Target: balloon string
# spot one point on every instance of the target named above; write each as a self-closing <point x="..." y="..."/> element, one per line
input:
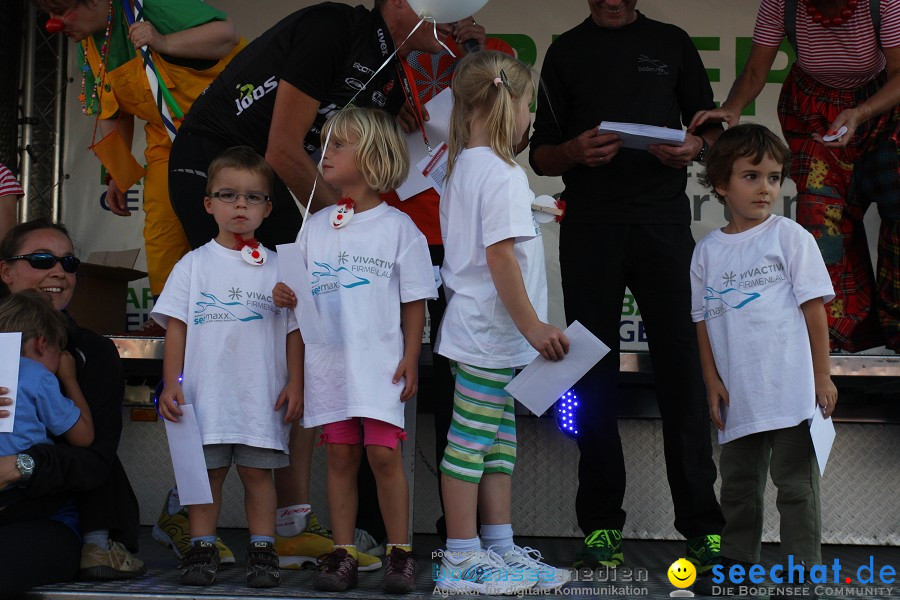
<point x="305" y="209"/>
<point x="434" y="23"/>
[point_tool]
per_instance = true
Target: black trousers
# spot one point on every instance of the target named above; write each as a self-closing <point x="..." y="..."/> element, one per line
<point x="34" y="553"/>
<point x="597" y="262"/>
<point x="442" y="401"/>
<point x="443" y="385"/>
<point x="368" y="517"/>
<point x="188" y="165"/>
<point x="112" y="506"/>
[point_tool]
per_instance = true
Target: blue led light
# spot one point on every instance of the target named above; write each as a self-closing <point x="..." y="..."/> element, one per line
<point x="566" y="414"/>
<point x="159" y="390"/>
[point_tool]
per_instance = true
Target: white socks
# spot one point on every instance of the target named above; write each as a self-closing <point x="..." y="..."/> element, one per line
<point x="98" y="537"/>
<point x="497" y="537"/>
<point x="458" y="549"/>
<point x="291" y="520"/>
<point x="173" y="504"/>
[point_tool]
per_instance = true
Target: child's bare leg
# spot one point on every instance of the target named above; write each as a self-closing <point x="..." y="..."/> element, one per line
<point x="292" y="482"/>
<point x="259" y="500"/>
<point x="204" y="517"/>
<point x="393" y="491"/>
<point x="343" y="465"/>
<point x="460" y="505"/>
<point x="495" y="499"/>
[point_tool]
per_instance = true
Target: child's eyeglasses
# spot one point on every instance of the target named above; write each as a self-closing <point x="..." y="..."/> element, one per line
<point x="231" y="197"/>
<point x="45" y="261"/>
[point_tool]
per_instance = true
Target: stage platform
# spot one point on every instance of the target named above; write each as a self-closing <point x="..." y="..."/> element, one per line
<point x="643" y="575"/>
<point x="842" y="365"/>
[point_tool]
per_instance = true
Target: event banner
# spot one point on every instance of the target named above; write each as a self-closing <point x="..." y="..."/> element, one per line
<point x="720" y="29"/>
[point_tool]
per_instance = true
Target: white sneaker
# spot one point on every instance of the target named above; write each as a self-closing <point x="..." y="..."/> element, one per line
<point x="529" y="560"/>
<point x="484" y="572"/>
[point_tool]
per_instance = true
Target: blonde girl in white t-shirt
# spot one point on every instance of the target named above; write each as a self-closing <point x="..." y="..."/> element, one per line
<point x="370" y="274"/>
<point x="495" y="279"/>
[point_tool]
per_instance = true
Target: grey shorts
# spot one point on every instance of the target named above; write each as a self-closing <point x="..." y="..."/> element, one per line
<point x="224" y="455"/>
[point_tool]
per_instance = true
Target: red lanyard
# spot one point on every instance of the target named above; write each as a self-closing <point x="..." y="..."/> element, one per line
<point x="412" y="96"/>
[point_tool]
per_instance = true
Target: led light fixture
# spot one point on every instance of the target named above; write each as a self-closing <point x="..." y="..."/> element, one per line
<point x="567" y="414"/>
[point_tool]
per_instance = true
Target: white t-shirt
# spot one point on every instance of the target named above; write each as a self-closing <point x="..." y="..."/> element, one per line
<point x="748" y="287"/>
<point x="359" y="276"/>
<point x="486" y="201"/>
<point x="234" y="360"/>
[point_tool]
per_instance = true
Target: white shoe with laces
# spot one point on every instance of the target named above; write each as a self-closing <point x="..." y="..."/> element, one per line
<point x="483" y="572"/>
<point x="529" y="560"/>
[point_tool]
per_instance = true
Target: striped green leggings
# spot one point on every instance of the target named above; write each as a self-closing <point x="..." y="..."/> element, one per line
<point x="482" y="436"/>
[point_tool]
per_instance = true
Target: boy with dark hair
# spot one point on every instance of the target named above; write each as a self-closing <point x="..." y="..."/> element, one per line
<point x="758" y="290"/>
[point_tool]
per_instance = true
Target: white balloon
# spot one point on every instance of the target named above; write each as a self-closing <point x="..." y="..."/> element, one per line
<point x="446" y="11"/>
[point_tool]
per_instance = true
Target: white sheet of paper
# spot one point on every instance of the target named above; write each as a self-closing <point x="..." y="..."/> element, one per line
<point x="541" y="383"/>
<point x="638" y="136"/>
<point x="821" y="430"/>
<point x="292" y="271"/>
<point x="10" y="350"/>
<point x="186" y="449"/>
<point x="437" y="128"/>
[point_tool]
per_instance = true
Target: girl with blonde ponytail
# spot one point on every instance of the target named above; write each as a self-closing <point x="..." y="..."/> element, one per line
<point x="496" y="286"/>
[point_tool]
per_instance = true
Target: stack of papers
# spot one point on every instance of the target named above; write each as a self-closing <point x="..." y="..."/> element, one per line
<point x="637" y="136"/>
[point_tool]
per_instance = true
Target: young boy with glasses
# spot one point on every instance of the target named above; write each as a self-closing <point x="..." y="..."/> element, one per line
<point x="217" y="304"/>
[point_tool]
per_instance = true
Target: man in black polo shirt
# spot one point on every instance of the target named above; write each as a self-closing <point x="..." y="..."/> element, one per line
<point x="627" y="223"/>
<point x="276" y="95"/>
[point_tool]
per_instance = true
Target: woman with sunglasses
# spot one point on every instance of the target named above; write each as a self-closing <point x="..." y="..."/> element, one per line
<point x="40" y="546"/>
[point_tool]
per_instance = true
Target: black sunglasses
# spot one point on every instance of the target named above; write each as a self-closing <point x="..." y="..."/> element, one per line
<point x="45" y="260"/>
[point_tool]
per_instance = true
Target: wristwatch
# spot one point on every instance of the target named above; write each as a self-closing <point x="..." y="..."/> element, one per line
<point x="25" y="465"/>
<point x="701" y="156"/>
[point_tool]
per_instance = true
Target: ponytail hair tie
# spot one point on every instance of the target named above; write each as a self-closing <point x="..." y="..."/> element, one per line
<point x="504" y="80"/>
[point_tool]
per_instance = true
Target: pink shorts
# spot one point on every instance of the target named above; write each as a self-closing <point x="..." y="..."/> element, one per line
<point x="351" y="431"/>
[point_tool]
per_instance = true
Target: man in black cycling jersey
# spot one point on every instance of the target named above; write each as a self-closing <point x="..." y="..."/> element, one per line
<point x="276" y="95"/>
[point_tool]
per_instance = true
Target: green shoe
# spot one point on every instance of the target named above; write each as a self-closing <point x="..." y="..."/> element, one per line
<point x="704" y="551"/>
<point x="601" y="547"/>
<point x="312" y="526"/>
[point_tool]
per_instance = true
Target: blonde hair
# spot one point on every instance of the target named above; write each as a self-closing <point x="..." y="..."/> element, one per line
<point x="381" y="154"/>
<point x="488" y="84"/>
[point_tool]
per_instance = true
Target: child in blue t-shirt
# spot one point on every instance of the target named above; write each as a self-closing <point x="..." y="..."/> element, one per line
<point x="41" y="409"/>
